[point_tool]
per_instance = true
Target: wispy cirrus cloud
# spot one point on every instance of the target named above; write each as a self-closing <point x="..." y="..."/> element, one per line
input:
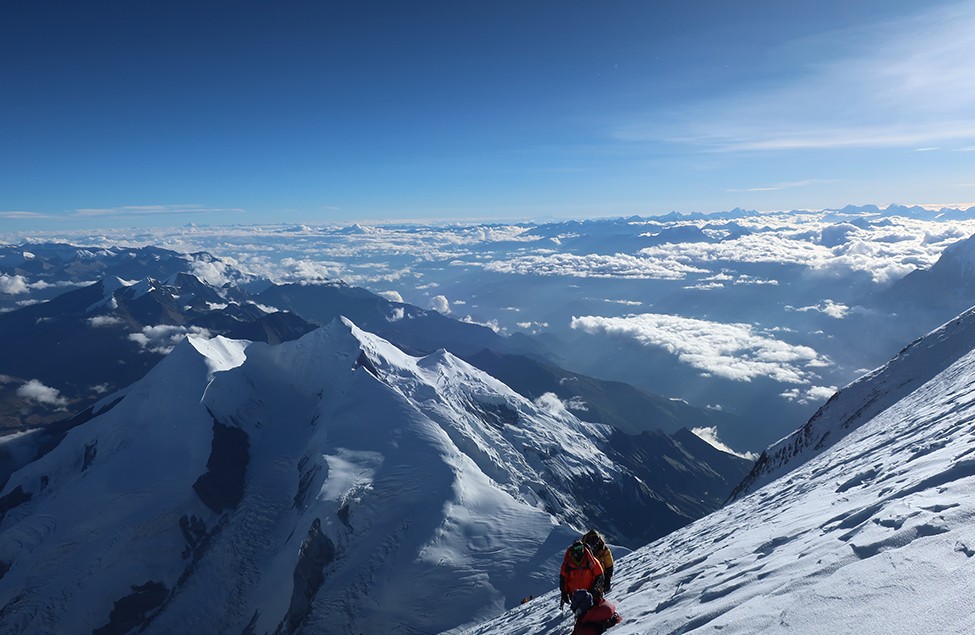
<point x="123" y="211"/>
<point x="151" y="210"/>
<point x="22" y="215"/>
<point x="781" y="186"/>
<point x="902" y="83"/>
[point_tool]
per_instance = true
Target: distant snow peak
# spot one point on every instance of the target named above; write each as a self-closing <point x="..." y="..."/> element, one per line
<point x="142" y="287"/>
<point x="220" y="352"/>
<point x="212" y="271"/>
<point x="110" y="285"/>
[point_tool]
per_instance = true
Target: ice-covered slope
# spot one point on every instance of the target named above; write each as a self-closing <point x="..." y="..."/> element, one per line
<point x="874" y="535"/>
<point x="329" y="484"/>
<point x="863" y="399"/>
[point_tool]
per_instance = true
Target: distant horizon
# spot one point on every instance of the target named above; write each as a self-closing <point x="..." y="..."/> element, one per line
<point x="43" y="227"/>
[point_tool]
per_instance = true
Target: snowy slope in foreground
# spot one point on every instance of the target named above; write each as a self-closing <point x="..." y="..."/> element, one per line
<point x="864" y="399"/>
<point x="874" y="536"/>
<point x="331" y="484"/>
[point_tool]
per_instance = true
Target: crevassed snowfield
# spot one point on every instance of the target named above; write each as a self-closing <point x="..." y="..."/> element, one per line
<point x="875" y="536"/>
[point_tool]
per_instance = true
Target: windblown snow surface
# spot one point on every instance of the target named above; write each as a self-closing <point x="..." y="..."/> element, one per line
<point x="332" y="484"/>
<point x="864" y="399"/>
<point x="875" y="535"/>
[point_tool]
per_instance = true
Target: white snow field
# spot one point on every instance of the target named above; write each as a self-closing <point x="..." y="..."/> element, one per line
<point x="328" y="485"/>
<point x="875" y="535"/>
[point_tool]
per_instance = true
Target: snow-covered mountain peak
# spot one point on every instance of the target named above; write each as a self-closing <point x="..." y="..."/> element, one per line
<point x="220" y="353"/>
<point x="109" y="285"/>
<point x="142" y="287"/>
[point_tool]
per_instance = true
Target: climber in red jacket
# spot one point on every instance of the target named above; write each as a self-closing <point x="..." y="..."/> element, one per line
<point x="580" y="570"/>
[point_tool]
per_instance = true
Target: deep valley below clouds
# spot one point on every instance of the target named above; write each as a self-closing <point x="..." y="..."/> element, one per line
<point x="760" y="315"/>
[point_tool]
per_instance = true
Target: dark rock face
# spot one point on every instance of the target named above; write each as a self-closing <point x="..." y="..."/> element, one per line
<point x="630" y="512"/>
<point x="682" y="470"/>
<point x="135" y="609"/>
<point x="316" y="552"/>
<point x="363" y="362"/>
<point x="194" y="532"/>
<point x="497" y="415"/>
<point x="305" y="480"/>
<point x="222" y="487"/>
<point x="91" y="450"/>
<point x="273" y="328"/>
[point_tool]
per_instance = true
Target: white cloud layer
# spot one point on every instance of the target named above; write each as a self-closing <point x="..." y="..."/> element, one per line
<point x="100" y="321"/>
<point x="551" y="403"/>
<point x="730" y="351"/>
<point x="13" y="285"/>
<point x="887" y="251"/>
<point x="162" y="338"/>
<point x="392" y="296"/>
<point x="596" y="266"/>
<point x="36" y="391"/>
<point x="827" y="307"/>
<point x="440" y="304"/>
<point x="814" y="394"/>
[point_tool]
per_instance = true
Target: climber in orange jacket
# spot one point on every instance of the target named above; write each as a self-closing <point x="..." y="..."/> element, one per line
<point x="580" y="570"/>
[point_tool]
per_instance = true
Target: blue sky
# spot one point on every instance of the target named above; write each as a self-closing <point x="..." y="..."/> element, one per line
<point x="137" y="113"/>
